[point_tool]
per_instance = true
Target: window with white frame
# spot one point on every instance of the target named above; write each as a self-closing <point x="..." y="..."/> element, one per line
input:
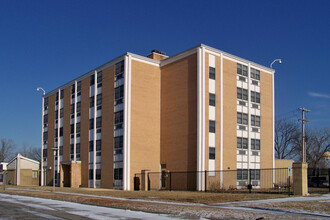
<point x="242" y="143"/>
<point x="242" y="94"/>
<point x="242" y="118"/>
<point x="211" y="99"/>
<point x="255" y="144"/>
<point x="242" y="70"/>
<point x="255" y="74"/>
<point x="255" y="97"/>
<point x="255" y="120"/>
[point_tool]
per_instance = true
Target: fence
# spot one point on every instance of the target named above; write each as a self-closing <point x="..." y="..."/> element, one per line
<point x="256" y="180"/>
<point x="318" y="180"/>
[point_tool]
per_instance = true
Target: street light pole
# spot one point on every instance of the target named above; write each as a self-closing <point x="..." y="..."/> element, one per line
<point x="55" y="151"/>
<point x="276" y="60"/>
<point x="42" y="135"/>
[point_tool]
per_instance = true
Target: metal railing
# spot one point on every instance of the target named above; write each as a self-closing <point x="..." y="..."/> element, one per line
<point x="249" y="180"/>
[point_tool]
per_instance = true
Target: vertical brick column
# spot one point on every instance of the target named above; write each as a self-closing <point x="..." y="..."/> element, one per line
<point x="300" y="179"/>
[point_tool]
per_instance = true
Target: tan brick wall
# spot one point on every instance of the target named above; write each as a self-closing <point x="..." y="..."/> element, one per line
<point x="84" y="130"/>
<point x="107" y="144"/>
<point x="179" y="115"/>
<point x="157" y="56"/>
<point x="266" y="128"/>
<point x="11" y="177"/>
<point x="207" y="111"/>
<point x="145" y="118"/>
<point x="217" y="112"/>
<point x="26" y="178"/>
<point x="66" y="124"/>
<point x="229" y="121"/>
<point x="51" y="140"/>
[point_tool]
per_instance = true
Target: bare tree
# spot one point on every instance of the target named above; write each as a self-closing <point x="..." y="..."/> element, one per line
<point x="286" y="133"/>
<point x="317" y="144"/>
<point x="30" y="152"/>
<point x="7" y="149"/>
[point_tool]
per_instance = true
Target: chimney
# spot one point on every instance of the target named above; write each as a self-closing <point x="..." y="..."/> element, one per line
<point x="157" y="55"/>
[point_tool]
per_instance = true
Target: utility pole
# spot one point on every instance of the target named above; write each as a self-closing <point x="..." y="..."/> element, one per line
<point x="303" y="120"/>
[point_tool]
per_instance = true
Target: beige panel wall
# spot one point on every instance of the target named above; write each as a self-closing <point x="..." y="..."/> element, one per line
<point x="179" y="115"/>
<point x="84" y="130"/>
<point x="51" y="140"/>
<point x="66" y="124"/>
<point x="229" y="121"/>
<point x="25" y="164"/>
<point x="107" y="144"/>
<point x="266" y="128"/>
<point x="145" y="118"/>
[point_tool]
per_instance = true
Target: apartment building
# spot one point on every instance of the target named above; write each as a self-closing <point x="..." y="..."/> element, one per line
<point x="202" y="109"/>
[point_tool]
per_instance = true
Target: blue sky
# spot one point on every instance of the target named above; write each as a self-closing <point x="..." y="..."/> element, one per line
<point x="48" y="43"/>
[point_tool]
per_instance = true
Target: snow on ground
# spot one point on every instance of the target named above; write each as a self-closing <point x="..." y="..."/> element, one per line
<point x="89" y="211"/>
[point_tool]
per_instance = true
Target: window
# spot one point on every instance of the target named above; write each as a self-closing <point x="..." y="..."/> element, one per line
<point x="71" y="148"/>
<point x="255" y="74"/>
<point x="255" y="174"/>
<point x="56" y="133"/>
<point x="72" y="109"/>
<point x="78" y="127"/>
<point x="119" y="117"/>
<point x="78" y="106"/>
<point x="91" y="102"/>
<point x="98" y="174"/>
<point x="34" y="174"/>
<point x="61" y="113"/>
<point x="62" y="93"/>
<point x="61" y="150"/>
<point x="90" y="174"/>
<point x="78" y="86"/>
<point x="91" y="123"/>
<point x="99" y="99"/>
<point x="118" y="174"/>
<point x="120" y="67"/>
<point x="56" y="114"/>
<point x="92" y="80"/>
<point x="44" y="152"/>
<point x="242" y="174"/>
<point x="119" y="142"/>
<point x="255" y="120"/>
<point x="242" y="70"/>
<point x="212" y="99"/>
<point x="98" y="145"/>
<point x="91" y="146"/>
<point x="73" y="89"/>
<point x="119" y="92"/>
<point x="72" y="129"/>
<point x="255" y="97"/>
<point x="211" y="126"/>
<point x="212" y="153"/>
<point x="242" y="118"/>
<point x="255" y="144"/>
<point x="242" y="94"/>
<point x="61" y="132"/>
<point x="45" y="119"/>
<point x="211" y="73"/>
<point x="98" y="122"/>
<point x="99" y="79"/>
<point x="242" y="143"/>
<point x="45" y="135"/>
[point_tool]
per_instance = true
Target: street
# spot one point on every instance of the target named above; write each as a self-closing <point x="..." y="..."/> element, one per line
<point x="23" y="207"/>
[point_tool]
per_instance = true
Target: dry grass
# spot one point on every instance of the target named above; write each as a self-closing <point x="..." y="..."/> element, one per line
<point x="170" y="196"/>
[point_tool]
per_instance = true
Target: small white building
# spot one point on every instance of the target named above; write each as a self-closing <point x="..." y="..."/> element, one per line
<point x="22" y="171"/>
